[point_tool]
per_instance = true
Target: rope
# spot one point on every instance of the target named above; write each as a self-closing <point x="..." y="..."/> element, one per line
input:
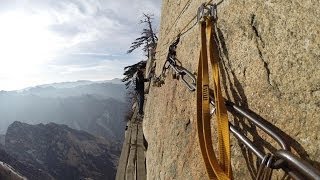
<point x="181" y="12"/>
<point x="182" y="32"/>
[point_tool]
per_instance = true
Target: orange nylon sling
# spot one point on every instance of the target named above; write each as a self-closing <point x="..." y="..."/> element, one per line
<point x="216" y="169"/>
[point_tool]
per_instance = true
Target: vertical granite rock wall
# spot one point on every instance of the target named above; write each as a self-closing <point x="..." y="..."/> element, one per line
<point x="271" y="64"/>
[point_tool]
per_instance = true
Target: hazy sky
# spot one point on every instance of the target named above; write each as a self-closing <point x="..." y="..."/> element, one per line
<point x="45" y="41"/>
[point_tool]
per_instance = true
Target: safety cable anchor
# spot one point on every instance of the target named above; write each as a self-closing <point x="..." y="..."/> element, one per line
<point x="207" y="10"/>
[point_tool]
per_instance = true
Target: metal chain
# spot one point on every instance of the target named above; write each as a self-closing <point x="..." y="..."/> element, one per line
<point x="265" y="170"/>
<point x="180" y="72"/>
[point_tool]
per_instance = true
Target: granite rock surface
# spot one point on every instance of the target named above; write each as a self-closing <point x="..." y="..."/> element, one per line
<point x="270" y="65"/>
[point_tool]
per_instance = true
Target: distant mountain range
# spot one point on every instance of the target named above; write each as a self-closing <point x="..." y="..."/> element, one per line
<point x="102" y="89"/>
<point x="75" y="84"/>
<point x="55" y="151"/>
<point x="96" y="107"/>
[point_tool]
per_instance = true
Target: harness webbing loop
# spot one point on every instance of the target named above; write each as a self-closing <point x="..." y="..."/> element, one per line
<point x="209" y="50"/>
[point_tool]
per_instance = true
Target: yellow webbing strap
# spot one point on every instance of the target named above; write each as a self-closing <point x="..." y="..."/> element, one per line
<point x="216" y="169"/>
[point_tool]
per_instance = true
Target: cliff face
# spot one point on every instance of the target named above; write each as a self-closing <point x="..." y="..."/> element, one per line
<point x="271" y="53"/>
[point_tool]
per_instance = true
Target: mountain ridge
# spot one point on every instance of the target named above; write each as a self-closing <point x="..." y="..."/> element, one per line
<point x="70" y="84"/>
<point x="61" y="151"/>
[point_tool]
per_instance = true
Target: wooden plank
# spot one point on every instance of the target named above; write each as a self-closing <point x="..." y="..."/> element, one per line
<point x="132" y="160"/>
<point x="121" y="170"/>
<point x="130" y="171"/>
<point x="141" y="166"/>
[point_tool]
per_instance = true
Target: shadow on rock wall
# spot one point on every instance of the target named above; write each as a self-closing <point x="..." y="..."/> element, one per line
<point x="236" y="92"/>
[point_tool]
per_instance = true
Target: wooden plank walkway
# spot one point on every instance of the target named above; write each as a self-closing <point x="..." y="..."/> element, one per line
<point x="122" y="166"/>
<point x="132" y="159"/>
<point x="141" y="159"/>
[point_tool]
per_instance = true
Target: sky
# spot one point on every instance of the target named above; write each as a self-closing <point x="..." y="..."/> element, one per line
<point x="46" y="41"/>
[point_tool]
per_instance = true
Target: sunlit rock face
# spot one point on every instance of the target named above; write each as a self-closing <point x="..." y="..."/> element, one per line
<point x="270" y="64"/>
<point x="63" y="152"/>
